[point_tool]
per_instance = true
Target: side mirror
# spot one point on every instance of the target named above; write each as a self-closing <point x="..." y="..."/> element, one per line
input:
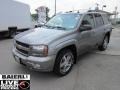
<point x="85" y="27"/>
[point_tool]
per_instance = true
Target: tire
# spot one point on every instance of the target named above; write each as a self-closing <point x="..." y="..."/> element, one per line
<point x="105" y="43"/>
<point x="12" y="33"/>
<point x="64" y="62"/>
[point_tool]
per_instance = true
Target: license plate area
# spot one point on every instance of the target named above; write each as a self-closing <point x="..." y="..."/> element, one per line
<point x="19" y="60"/>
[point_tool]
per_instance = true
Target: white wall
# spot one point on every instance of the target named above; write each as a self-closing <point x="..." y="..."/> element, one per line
<point x="13" y="13"/>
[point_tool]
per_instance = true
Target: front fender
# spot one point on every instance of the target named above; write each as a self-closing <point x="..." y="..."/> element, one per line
<point x="64" y="44"/>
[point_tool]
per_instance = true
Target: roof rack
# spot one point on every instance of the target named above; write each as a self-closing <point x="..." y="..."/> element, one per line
<point x="78" y="11"/>
<point x="86" y="10"/>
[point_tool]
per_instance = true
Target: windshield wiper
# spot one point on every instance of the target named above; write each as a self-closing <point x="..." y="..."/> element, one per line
<point x="51" y="27"/>
<point x="60" y="27"/>
<point x="48" y="26"/>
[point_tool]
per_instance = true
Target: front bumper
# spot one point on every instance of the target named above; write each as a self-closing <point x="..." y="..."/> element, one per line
<point x="35" y="63"/>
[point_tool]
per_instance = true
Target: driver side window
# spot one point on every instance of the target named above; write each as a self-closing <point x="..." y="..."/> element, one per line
<point x="88" y="20"/>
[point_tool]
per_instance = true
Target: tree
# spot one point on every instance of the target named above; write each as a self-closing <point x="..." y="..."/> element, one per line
<point x="34" y="17"/>
<point x="47" y="12"/>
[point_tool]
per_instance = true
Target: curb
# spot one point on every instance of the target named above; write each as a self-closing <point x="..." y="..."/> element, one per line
<point x="111" y="53"/>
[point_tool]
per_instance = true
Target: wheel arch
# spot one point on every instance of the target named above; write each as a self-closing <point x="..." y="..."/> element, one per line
<point x="108" y="34"/>
<point x="72" y="47"/>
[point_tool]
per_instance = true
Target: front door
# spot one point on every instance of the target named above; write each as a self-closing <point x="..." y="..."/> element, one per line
<point x="85" y="37"/>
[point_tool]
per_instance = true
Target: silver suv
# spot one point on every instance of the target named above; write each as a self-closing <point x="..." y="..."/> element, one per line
<point x="56" y="45"/>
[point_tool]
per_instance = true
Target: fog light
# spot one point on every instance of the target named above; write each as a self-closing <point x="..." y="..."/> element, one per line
<point x="36" y="66"/>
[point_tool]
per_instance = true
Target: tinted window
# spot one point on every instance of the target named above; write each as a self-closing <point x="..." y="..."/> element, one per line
<point x="99" y="20"/>
<point x="88" y="19"/>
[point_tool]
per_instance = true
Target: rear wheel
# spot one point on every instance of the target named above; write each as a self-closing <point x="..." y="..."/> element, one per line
<point x="104" y="45"/>
<point x="64" y="62"/>
<point x="12" y="32"/>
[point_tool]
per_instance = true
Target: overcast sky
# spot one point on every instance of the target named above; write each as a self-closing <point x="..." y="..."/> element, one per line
<point x="66" y="5"/>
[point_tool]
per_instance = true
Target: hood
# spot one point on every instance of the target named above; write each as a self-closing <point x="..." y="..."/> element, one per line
<point x="40" y="36"/>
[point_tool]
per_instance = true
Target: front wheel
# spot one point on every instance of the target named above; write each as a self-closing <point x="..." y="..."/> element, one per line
<point x="104" y="45"/>
<point x="64" y="62"/>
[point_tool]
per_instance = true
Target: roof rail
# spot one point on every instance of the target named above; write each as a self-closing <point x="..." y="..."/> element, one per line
<point x="78" y="11"/>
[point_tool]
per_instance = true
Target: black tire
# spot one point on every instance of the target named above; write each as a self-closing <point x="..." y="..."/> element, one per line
<point x="105" y="43"/>
<point x="59" y="59"/>
<point x="12" y="33"/>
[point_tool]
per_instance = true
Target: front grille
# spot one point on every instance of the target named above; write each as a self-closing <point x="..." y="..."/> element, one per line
<point x="22" y="44"/>
<point x="22" y="51"/>
<point x="22" y="48"/>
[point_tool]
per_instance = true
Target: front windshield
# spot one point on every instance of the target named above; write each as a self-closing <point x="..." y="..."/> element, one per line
<point x="64" y="21"/>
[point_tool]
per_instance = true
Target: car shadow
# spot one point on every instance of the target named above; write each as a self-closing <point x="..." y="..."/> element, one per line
<point x="36" y="74"/>
<point x="4" y="38"/>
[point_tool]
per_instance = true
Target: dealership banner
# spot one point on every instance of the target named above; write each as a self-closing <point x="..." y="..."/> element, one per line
<point x="14" y="82"/>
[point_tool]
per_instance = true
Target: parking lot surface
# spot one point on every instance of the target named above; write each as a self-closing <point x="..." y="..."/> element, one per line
<point x="94" y="70"/>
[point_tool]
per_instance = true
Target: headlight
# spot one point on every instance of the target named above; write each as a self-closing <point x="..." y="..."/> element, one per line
<point x="39" y="50"/>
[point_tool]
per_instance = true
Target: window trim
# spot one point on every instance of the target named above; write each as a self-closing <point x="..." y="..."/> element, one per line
<point x="93" y="19"/>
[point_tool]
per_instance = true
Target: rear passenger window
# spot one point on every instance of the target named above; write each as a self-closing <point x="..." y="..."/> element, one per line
<point x="106" y="18"/>
<point x="99" y="20"/>
<point x="88" y="20"/>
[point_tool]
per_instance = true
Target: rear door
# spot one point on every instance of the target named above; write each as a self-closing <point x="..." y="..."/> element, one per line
<point x="108" y="25"/>
<point x="99" y="30"/>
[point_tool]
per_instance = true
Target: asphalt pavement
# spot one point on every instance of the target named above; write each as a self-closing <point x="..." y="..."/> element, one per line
<point x="94" y="70"/>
